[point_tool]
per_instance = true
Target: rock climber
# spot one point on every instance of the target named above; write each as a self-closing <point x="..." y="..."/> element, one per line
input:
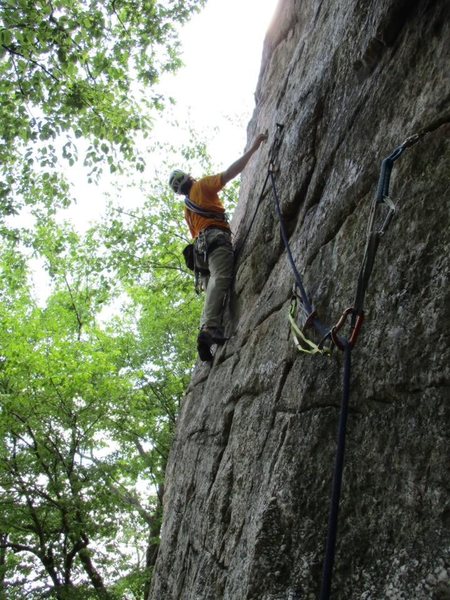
<point x="213" y="252"/>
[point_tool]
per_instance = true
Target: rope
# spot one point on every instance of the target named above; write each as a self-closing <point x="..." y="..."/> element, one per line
<point x="298" y="279"/>
<point x="273" y="154"/>
<point x="307" y="307"/>
<point x="345" y="344"/>
<point x="382" y="196"/>
<point x="330" y="547"/>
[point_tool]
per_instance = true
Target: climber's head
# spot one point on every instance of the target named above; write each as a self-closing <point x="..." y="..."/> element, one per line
<point x="180" y="181"/>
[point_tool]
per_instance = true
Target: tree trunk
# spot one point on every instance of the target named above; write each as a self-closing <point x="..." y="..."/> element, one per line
<point x="3" y="540"/>
<point x="153" y="540"/>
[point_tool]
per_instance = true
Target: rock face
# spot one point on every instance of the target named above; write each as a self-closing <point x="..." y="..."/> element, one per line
<point x="249" y="478"/>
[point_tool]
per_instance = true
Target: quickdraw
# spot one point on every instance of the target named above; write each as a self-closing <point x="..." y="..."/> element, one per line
<point x="357" y="316"/>
<point x="355" y="313"/>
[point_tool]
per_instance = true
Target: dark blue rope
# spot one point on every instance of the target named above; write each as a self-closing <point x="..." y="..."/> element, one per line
<point x="284" y="235"/>
<point x="330" y="547"/>
<point x="371" y="248"/>
<point x="307" y="306"/>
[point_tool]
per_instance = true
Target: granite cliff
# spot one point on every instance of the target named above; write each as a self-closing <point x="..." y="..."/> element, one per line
<point x="249" y="477"/>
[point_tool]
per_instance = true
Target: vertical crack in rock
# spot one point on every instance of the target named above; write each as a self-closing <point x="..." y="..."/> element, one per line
<point x="228" y="415"/>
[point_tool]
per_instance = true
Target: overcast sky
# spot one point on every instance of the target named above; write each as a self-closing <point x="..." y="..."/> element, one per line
<point x="222" y="48"/>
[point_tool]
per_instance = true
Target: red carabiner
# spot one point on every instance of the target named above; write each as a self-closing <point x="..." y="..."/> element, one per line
<point x="356" y="328"/>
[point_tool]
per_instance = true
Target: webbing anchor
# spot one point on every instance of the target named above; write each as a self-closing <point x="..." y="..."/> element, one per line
<point x="356" y="324"/>
<point x="303" y="343"/>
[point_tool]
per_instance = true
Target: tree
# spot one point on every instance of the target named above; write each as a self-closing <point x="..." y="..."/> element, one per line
<point x="88" y="409"/>
<point x="88" y="400"/>
<point x="90" y="386"/>
<point x="78" y="69"/>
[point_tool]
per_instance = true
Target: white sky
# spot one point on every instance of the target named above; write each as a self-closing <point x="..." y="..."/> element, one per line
<point x="221" y="50"/>
<point x="222" y="53"/>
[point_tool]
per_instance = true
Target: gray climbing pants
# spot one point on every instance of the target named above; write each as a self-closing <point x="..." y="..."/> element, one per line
<point x="220" y="260"/>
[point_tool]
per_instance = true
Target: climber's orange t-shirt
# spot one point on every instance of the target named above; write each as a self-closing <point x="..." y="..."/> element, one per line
<point x="204" y="193"/>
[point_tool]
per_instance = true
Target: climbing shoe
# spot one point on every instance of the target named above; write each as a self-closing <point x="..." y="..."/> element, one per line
<point x="207" y="337"/>
<point x="204" y="343"/>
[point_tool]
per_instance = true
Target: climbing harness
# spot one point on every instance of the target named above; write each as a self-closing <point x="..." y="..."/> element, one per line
<point x="300" y="299"/>
<point x="195" y="253"/>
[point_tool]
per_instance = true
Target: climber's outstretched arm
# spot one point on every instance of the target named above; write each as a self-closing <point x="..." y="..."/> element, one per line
<point x="239" y="165"/>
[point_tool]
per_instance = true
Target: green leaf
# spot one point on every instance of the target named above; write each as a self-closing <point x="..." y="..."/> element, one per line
<point x="6" y="37"/>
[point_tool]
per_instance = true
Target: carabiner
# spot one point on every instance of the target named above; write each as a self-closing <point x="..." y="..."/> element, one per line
<point x="358" y="318"/>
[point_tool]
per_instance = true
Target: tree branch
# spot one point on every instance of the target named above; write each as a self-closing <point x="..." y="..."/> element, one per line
<point x="79" y="321"/>
<point x="32" y="61"/>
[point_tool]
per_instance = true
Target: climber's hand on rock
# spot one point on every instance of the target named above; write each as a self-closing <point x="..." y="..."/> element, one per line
<point x="262" y="137"/>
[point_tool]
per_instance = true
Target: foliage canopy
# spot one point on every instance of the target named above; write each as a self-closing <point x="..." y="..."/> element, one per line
<point x="72" y="69"/>
<point x="92" y="377"/>
<point x="88" y="407"/>
<point x="90" y="386"/>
